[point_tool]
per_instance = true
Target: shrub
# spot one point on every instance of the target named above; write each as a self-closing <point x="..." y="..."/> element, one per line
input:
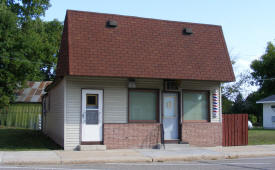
<point x="252" y="118"/>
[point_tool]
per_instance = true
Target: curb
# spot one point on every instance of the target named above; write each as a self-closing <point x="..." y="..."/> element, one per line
<point x="58" y="160"/>
<point x="27" y="158"/>
<point x="188" y="158"/>
<point x="248" y="155"/>
<point x="109" y="160"/>
<point x="80" y="161"/>
<point x="30" y="163"/>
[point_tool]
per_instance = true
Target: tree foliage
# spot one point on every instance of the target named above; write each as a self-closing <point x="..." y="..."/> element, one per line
<point x="28" y="45"/>
<point x="26" y="9"/>
<point x="252" y="108"/>
<point x="41" y="45"/>
<point x="232" y="90"/>
<point x="264" y="71"/>
<point x="263" y="75"/>
<point x="239" y="104"/>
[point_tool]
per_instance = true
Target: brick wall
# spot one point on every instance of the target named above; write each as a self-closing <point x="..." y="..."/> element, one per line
<point x="202" y="134"/>
<point x="132" y="135"/>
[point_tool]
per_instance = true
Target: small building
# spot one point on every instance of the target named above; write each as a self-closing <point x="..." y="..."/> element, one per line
<point x="268" y="112"/>
<point x="26" y="111"/>
<point x="130" y="82"/>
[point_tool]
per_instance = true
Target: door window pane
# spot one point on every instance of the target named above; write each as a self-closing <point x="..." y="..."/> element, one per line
<point x="170" y="105"/>
<point x="143" y="105"/>
<point x="195" y="106"/>
<point x="91" y="100"/>
<point x="91" y="117"/>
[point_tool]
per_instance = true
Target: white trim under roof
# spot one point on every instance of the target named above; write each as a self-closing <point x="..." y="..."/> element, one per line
<point x="265" y="101"/>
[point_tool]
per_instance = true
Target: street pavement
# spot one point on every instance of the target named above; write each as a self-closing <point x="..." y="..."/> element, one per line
<point x="261" y="163"/>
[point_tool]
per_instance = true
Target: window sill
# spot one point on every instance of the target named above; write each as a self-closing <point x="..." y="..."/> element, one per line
<point x="143" y="121"/>
<point x="196" y="121"/>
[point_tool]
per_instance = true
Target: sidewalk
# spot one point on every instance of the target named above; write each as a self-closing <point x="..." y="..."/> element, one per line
<point x="138" y="155"/>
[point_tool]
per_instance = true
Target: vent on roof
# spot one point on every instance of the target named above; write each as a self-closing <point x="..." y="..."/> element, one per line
<point x="187" y="31"/>
<point x="111" y="23"/>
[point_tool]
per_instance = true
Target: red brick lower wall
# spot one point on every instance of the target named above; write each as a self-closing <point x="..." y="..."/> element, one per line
<point x="132" y="135"/>
<point x="202" y="134"/>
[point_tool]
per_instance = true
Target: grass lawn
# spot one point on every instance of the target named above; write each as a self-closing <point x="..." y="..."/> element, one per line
<point x="12" y="139"/>
<point x="261" y="136"/>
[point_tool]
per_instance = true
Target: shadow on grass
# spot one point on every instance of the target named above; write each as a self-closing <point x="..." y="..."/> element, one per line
<point x="25" y="139"/>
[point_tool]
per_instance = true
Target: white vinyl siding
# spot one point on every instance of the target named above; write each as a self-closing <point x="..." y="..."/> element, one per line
<point x="115" y="102"/>
<point x="54" y="119"/>
<point x="268" y="112"/>
<point x="149" y="83"/>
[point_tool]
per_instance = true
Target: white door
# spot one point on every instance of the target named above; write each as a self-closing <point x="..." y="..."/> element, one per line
<point x="170" y="116"/>
<point x="92" y="101"/>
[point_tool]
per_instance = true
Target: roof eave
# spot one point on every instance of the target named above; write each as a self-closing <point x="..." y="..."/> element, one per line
<point x="259" y="102"/>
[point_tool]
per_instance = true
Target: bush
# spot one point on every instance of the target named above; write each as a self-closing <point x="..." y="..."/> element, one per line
<point x="252" y="118"/>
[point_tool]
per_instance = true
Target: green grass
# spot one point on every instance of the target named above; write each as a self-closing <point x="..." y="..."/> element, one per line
<point x="261" y="136"/>
<point x="14" y="139"/>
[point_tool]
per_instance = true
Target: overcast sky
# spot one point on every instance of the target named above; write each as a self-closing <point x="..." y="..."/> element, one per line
<point x="247" y="24"/>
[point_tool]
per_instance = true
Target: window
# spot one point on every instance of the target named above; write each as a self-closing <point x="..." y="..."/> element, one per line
<point x="91" y="100"/>
<point x="273" y="107"/>
<point x="143" y="105"/>
<point x="196" y="106"/>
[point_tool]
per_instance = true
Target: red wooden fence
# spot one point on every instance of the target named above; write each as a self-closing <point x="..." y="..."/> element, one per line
<point x="235" y="129"/>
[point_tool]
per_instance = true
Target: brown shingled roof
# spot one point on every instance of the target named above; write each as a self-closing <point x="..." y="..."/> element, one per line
<point x="140" y="47"/>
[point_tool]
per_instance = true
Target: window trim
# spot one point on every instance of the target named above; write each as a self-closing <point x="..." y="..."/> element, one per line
<point x="208" y="106"/>
<point x="157" y="106"/>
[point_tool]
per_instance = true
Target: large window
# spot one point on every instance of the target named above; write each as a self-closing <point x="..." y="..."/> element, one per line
<point x="143" y="105"/>
<point x="196" y="106"/>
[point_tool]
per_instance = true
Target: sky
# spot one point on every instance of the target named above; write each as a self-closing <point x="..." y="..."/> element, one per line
<point x="247" y="24"/>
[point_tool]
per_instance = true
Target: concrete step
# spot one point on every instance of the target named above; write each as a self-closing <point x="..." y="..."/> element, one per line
<point x="92" y="147"/>
<point x="174" y="146"/>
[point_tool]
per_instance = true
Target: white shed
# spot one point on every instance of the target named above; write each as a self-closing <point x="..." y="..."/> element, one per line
<point x="268" y="112"/>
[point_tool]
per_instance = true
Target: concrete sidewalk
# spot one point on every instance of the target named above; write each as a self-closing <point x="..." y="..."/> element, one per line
<point x="139" y="155"/>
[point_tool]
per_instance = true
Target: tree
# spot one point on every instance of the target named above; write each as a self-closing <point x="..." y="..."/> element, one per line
<point x="28" y="45"/>
<point x="231" y="92"/>
<point x="41" y="41"/>
<point x="27" y="9"/>
<point x="14" y="69"/>
<point x="226" y="105"/>
<point x="239" y="104"/>
<point x="264" y="71"/>
<point x="252" y="108"/>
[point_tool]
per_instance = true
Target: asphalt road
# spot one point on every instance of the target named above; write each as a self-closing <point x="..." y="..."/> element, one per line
<point x="245" y="163"/>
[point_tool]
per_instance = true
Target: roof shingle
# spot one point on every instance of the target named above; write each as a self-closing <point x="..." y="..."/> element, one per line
<point x="269" y="99"/>
<point x="142" y="48"/>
